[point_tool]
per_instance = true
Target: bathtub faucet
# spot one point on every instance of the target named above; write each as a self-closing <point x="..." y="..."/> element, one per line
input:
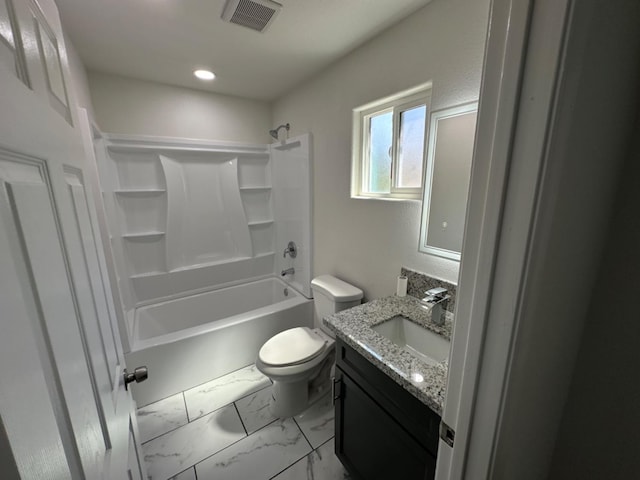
<point x="291" y="250"/>
<point x="288" y="271"/>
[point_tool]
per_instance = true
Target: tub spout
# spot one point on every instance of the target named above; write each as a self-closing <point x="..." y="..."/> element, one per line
<point x="288" y="271"/>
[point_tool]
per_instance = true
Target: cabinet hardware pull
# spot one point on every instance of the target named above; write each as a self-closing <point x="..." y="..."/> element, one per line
<point x="335" y="393"/>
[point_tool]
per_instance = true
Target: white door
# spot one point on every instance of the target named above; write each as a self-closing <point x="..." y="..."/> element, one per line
<point x="64" y="410"/>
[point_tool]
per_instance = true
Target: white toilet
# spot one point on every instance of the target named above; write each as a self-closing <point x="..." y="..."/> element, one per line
<point x="300" y="360"/>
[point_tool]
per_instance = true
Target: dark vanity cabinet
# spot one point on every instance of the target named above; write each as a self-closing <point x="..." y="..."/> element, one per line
<point x="382" y="431"/>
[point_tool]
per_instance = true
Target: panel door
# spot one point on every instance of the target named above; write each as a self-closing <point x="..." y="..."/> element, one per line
<point x="64" y="409"/>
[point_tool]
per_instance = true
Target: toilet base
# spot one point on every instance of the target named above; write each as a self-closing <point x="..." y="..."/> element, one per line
<point x="291" y="398"/>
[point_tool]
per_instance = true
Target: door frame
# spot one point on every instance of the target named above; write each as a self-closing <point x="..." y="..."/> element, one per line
<point x="515" y="117"/>
<point x="535" y="63"/>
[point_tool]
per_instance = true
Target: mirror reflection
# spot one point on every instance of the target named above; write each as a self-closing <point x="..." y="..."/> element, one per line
<point x="447" y="175"/>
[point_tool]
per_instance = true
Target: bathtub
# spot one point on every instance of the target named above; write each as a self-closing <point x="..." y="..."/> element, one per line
<point x="187" y="341"/>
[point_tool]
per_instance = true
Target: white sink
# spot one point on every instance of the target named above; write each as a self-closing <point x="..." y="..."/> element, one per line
<point x="417" y="340"/>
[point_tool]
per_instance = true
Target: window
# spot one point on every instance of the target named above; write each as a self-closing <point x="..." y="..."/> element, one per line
<point x="389" y="145"/>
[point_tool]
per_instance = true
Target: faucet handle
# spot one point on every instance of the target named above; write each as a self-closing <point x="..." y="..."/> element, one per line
<point x="291" y="250"/>
<point x="437" y="293"/>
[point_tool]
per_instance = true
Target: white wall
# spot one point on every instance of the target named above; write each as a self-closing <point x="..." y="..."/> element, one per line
<point x="137" y="107"/>
<point x="79" y="78"/>
<point x="366" y="241"/>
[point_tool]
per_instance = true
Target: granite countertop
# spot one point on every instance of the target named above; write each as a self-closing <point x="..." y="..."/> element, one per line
<point x="424" y="381"/>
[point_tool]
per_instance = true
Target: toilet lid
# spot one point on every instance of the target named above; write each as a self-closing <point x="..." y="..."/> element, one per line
<point x="293" y="346"/>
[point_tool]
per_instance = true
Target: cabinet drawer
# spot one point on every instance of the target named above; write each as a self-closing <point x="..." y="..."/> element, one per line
<point x="416" y="418"/>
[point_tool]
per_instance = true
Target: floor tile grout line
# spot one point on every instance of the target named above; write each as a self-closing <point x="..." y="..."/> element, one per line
<point x="240" y="417"/>
<point x="164" y="433"/>
<point x="216" y="452"/>
<point x="234" y="402"/>
<point x="190" y="420"/>
<point x="314" y="450"/>
<point x="232" y="444"/>
<point x="302" y="432"/>
<point x="186" y="410"/>
<point x="325" y="442"/>
<point x="138" y="407"/>
<point x="226" y="404"/>
<point x="289" y="466"/>
<point x="180" y="473"/>
<point x="253" y="393"/>
<point x="181" y="426"/>
<point x="248" y="435"/>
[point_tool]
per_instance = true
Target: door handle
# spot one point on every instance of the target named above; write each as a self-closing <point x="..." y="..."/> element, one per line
<point x="140" y="374"/>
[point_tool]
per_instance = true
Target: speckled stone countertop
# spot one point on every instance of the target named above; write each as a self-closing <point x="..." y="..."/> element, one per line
<point x="424" y="381"/>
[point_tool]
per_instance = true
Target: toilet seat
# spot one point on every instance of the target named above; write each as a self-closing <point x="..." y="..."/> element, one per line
<point x="292" y="347"/>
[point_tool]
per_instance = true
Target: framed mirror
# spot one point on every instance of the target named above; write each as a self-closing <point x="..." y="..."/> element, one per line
<point x="447" y="175"/>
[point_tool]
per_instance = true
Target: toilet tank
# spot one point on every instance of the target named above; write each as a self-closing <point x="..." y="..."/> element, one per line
<point x="331" y="295"/>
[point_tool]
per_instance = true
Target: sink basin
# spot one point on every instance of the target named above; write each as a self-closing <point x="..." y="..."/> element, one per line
<point x="417" y="340"/>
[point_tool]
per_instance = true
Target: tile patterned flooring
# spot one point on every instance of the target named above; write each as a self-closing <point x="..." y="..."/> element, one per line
<point x="223" y="429"/>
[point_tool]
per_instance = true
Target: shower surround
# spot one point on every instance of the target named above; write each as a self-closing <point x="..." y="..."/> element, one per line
<point x="188" y="216"/>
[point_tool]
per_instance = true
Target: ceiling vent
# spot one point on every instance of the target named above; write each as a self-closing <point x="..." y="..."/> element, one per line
<point x="253" y="14"/>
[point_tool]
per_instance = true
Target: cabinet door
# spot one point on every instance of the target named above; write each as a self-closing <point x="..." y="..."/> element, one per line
<point x="370" y="443"/>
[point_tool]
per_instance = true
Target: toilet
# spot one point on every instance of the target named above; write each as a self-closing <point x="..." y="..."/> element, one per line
<point x="300" y="360"/>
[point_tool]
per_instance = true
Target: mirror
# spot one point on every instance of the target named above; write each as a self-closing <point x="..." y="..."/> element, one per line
<point x="447" y="176"/>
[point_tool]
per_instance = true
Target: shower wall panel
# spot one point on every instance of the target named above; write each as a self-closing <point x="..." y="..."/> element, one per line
<point x="293" y="193"/>
<point x="206" y="222"/>
<point x="187" y="215"/>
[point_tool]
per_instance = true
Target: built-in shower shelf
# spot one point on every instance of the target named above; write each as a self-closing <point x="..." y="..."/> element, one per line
<point x="143" y="235"/>
<point x="140" y="192"/>
<point x="260" y="223"/>
<point x="255" y="189"/>
<point x="148" y="274"/>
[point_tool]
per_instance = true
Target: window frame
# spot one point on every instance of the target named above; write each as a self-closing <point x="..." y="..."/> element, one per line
<point x="397" y="104"/>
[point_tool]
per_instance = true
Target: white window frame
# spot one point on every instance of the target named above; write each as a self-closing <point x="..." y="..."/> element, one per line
<point x="398" y="103"/>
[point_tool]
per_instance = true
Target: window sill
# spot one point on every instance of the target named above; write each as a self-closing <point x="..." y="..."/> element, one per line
<point x="386" y="199"/>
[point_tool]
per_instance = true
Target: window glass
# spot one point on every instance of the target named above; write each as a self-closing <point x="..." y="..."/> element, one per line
<point x="389" y="145"/>
<point x="411" y="147"/>
<point x="380" y="142"/>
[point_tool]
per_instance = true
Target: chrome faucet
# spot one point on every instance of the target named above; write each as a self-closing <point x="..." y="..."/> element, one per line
<point x="436" y="301"/>
<point x="288" y="271"/>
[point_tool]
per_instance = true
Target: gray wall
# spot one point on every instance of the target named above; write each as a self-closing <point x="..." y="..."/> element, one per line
<point x="590" y="139"/>
<point x="137" y="107"/>
<point x="600" y="431"/>
<point x="366" y="241"/>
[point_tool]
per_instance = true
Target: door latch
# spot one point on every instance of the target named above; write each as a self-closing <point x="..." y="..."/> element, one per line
<point x="447" y="434"/>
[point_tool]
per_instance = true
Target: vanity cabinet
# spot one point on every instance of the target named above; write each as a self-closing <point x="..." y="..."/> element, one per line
<point x="382" y="431"/>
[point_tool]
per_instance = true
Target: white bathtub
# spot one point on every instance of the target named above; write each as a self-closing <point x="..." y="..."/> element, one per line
<point x="190" y="340"/>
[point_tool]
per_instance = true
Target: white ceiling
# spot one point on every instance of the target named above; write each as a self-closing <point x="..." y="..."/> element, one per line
<point x="165" y="40"/>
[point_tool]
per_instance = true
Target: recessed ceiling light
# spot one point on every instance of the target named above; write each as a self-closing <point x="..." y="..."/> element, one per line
<point x="204" y="74"/>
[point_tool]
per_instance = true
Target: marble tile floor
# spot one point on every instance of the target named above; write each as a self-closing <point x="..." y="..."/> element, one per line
<point x="224" y="430"/>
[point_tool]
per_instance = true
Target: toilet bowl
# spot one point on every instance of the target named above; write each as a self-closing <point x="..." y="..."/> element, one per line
<point x="299" y="361"/>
